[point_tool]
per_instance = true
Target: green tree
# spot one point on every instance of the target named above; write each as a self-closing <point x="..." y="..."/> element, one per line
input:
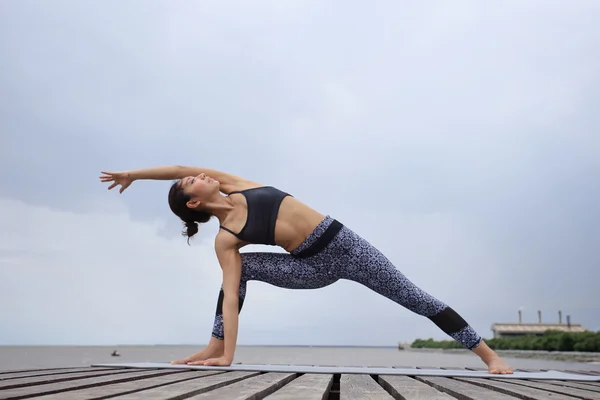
<point x="550" y="341"/>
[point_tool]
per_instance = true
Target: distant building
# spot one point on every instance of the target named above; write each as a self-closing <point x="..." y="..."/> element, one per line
<point x="510" y="329"/>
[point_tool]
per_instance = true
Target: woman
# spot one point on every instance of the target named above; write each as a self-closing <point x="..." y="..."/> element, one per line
<point x="321" y="251"/>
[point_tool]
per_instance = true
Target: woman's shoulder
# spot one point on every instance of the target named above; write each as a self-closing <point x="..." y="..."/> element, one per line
<point x="241" y="186"/>
<point x="226" y="241"/>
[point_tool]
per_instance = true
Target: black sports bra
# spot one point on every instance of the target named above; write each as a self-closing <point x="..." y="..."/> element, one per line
<point x="263" y="208"/>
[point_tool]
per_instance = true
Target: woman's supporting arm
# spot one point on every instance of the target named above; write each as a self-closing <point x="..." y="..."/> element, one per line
<point x="231" y="262"/>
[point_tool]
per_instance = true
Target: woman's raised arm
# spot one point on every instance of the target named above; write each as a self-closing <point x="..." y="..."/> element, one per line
<point x="228" y="182"/>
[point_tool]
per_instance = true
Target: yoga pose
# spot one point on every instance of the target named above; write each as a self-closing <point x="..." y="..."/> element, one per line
<point x="320" y="251"/>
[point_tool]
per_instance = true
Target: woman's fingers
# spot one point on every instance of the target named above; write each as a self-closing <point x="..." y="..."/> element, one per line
<point x="117" y="179"/>
<point x="110" y="175"/>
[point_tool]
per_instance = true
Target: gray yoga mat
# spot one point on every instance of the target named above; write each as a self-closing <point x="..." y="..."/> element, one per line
<point x="364" y="370"/>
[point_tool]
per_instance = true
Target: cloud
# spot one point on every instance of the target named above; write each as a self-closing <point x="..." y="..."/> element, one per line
<point x="460" y="140"/>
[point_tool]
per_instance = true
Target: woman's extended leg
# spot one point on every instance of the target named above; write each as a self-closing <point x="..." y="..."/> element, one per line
<point x="361" y="262"/>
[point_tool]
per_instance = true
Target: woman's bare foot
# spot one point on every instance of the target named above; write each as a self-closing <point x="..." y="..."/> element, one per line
<point x="492" y="360"/>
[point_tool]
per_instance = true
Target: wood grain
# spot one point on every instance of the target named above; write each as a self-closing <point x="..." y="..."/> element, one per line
<point x="306" y="387"/>
<point x="407" y="388"/>
<point x="253" y="388"/>
<point x="22" y="392"/>
<point x="463" y="390"/>
<point x="515" y="390"/>
<point x="191" y="387"/>
<point x="361" y="387"/>
<point x="125" y="388"/>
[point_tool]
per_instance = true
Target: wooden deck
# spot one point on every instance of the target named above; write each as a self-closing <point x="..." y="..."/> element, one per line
<point x="155" y="384"/>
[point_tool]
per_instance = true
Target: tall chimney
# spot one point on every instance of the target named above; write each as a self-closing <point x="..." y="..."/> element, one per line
<point x="560" y="317"/>
<point x="539" y="317"/>
<point x="520" y="317"/>
<point x="569" y="321"/>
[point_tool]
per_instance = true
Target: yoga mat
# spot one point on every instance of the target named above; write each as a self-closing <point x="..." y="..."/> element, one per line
<point x="550" y="375"/>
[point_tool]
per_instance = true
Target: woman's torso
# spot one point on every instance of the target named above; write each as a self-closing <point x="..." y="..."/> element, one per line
<point x="293" y="220"/>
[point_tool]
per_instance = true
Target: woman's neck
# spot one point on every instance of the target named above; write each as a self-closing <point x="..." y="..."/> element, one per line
<point x="220" y="207"/>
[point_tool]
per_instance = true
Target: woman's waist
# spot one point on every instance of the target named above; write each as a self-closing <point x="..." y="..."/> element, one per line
<point x="320" y="237"/>
<point x="295" y="225"/>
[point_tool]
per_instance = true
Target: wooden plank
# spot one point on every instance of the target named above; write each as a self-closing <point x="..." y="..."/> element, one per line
<point x="123" y="388"/>
<point x="361" y="387"/>
<point x="253" y="388"/>
<point x="513" y="389"/>
<point x="404" y="387"/>
<point x="578" y="385"/>
<point x="189" y="388"/>
<point x="57" y="387"/>
<point x="41" y="380"/>
<point x="463" y="390"/>
<point x="584" y="394"/>
<point x="26" y="374"/>
<point x="594" y="384"/>
<point x="306" y="387"/>
<point x="593" y="373"/>
<point x="10" y="371"/>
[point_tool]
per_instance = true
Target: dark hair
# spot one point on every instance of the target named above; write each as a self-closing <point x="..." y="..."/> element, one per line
<point x="177" y="201"/>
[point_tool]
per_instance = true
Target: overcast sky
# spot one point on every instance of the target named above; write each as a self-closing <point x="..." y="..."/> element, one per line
<point x="460" y="138"/>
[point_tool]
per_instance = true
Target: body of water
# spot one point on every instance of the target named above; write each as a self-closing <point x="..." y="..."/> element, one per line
<point x="22" y="357"/>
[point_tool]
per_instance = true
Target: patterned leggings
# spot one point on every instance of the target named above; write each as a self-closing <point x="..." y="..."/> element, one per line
<point x="346" y="256"/>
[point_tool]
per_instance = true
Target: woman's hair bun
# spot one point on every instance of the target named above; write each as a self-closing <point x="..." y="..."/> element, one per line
<point x="192" y="228"/>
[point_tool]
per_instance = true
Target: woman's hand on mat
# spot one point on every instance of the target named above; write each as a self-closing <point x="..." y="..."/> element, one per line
<point x="201" y="356"/>
<point x="117" y="178"/>
<point x="220" y="361"/>
<point x="197" y="358"/>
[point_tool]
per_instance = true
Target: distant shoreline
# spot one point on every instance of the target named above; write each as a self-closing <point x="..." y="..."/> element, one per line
<point x="531" y="354"/>
<point x="528" y="354"/>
